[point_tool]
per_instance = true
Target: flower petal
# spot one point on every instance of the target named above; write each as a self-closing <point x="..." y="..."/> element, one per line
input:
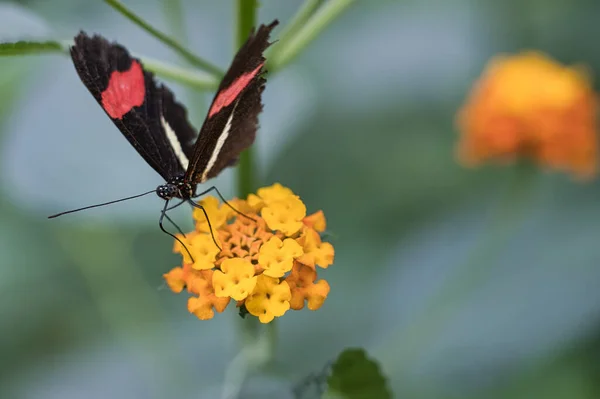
<point x="235" y="279"/>
<point x="270" y="299"/>
<point x="285" y="215"/>
<point x="303" y="287"/>
<point x="316" y="252"/>
<point x="175" y="279"/>
<point x="217" y="214"/>
<point x="274" y="193"/>
<point x="316" y="221"/>
<point x="276" y="257"/>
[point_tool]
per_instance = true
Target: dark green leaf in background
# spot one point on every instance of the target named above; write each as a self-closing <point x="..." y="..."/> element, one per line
<point x="355" y="376"/>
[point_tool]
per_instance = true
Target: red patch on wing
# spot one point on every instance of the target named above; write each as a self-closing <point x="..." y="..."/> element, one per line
<point x="125" y="90"/>
<point x="227" y="95"/>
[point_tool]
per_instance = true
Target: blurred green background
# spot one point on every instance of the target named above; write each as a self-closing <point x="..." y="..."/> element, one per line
<point x="361" y="125"/>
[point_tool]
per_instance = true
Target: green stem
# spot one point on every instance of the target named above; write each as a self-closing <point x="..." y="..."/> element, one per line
<point x="465" y="279"/>
<point x="258" y="344"/>
<point x="197" y="80"/>
<point x="245" y="173"/>
<point x="185" y="76"/>
<point x="246" y="20"/>
<point x="253" y="328"/>
<point x="272" y="336"/>
<point x="284" y="52"/>
<point x="256" y="352"/>
<point x="10" y="49"/>
<point x="299" y="19"/>
<point x="169" y="41"/>
<point x="174" y="16"/>
<point x="246" y="11"/>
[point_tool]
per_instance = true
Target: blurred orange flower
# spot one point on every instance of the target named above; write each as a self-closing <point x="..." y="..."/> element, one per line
<point x="530" y="106"/>
<point x="268" y="260"/>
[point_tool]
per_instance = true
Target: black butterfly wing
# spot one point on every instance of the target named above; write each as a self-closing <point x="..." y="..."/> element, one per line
<point x="232" y="120"/>
<point x="146" y="113"/>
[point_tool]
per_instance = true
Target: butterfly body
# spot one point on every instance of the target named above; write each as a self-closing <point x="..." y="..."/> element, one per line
<point x="156" y="125"/>
<point x="177" y="187"/>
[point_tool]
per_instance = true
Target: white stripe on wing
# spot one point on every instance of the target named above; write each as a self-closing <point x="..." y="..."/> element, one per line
<point x="175" y="144"/>
<point x="219" y="145"/>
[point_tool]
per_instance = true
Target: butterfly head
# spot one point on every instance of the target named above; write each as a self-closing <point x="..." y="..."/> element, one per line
<point x="177" y="187"/>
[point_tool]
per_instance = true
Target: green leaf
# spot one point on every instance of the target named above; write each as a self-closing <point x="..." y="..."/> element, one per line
<point x="31" y="48"/>
<point x="355" y="376"/>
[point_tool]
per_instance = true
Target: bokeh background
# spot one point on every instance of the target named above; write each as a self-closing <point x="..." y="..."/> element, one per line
<point x="361" y="125"/>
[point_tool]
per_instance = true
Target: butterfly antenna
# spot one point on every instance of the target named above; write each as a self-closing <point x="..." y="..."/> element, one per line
<point x="99" y="205"/>
<point x="160" y="224"/>
<point x="207" y="220"/>
<point x="214" y="188"/>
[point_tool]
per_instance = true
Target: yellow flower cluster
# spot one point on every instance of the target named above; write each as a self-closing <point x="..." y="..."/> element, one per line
<point x="530" y="106"/>
<point x="268" y="262"/>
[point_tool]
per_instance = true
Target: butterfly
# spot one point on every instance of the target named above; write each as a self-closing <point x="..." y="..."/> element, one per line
<point x="156" y="125"/>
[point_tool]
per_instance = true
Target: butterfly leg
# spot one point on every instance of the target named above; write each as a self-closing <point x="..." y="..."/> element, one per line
<point x="195" y="205"/>
<point x="160" y="224"/>
<point x="214" y="188"/>
<point x="175" y="206"/>
<point x="174" y="224"/>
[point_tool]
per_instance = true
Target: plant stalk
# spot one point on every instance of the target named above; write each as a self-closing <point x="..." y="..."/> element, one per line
<point x="246" y="11"/>
<point x="192" y="58"/>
